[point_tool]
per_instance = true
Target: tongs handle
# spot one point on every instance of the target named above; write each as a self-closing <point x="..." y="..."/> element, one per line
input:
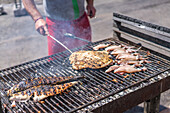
<point x="74" y="37"/>
<point x="59" y="43"/>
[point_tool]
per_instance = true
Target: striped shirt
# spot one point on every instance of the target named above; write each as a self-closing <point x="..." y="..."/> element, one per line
<point x="64" y="9"/>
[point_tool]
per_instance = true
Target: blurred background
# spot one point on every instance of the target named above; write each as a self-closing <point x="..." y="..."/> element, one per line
<point x="19" y="42"/>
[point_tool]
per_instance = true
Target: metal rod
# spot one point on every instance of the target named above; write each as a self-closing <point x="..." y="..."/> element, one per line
<point x="69" y="35"/>
<point x="60" y="43"/>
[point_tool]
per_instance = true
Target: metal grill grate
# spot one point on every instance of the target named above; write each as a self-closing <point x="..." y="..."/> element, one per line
<point x="96" y="86"/>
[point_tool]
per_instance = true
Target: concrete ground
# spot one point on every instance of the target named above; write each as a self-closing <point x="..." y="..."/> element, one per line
<point x="19" y="42"/>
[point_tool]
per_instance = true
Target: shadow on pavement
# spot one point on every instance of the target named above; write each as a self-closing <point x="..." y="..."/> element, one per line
<point x="139" y="109"/>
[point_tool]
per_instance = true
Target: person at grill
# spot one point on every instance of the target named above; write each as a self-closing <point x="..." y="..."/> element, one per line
<point x="63" y="16"/>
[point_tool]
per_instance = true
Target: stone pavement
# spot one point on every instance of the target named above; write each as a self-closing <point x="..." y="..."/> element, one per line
<point x="19" y="42"/>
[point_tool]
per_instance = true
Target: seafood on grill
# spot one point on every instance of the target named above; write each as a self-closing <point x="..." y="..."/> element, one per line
<point x="131" y="57"/>
<point x="126" y="60"/>
<point x="123" y="50"/>
<point x="111" y="68"/>
<point x="90" y="59"/>
<point x="100" y="46"/>
<point x="25" y="84"/>
<point x="133" y="62"/>
<point x="113" y="47"/>
<point x="128" y="69"/>
<point x="39" y="93"/>
<point x="118" y="52"/>
<point x="123" y="66"/>
<point x="124" y="54"/>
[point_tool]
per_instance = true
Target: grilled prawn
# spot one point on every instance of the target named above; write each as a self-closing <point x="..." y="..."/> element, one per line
<point x="40" y="92"/>
<point x="25" y="84"/>
<point x="128" y="69"/>
<point x="111" y="68"/>
<point x="131" y="57"/>
<point x="134" y="62"/>
<point x="113" y="47"/>
<point x="100" y="46"/>
<point x="124" y="54"/>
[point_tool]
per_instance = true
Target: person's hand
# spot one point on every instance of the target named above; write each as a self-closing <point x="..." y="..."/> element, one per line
<point x="91" y="11"/>
<point x="41" y="27"/>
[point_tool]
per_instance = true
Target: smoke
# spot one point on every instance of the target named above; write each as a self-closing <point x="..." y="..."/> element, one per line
<point x="79" y="28"/>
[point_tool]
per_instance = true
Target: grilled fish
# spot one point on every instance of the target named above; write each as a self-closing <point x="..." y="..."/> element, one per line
<point x="40" y="92"/>
<point x="90" y="59"/>
<point x="25" y="84"/>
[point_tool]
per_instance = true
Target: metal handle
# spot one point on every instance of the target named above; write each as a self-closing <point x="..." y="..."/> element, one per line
<point x="60" y="43"/>
<point x="74" y="37"/>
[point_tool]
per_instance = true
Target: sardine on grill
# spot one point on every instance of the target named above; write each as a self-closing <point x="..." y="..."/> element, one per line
<point x="90" y="59"/>
<point x="40" y="92"/>
<point x="25" y="84"/>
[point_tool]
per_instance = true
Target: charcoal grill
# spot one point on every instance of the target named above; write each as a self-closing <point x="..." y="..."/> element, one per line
<point x="98" y="91"/>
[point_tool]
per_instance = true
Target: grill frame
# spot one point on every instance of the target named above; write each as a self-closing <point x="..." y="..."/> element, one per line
<point x="43" y="64"/>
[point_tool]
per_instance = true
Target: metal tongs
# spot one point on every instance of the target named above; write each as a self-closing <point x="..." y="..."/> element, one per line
<point x="70" y="36"/>
<point x="74" y="37"/>
<point x="60" y="43"/>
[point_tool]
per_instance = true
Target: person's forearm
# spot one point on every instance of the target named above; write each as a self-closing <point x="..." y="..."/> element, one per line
<point x="89" y="2"/>
<point x="31" y="9"/>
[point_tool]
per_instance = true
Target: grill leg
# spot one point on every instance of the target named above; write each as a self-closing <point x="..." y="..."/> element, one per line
<point x="152" y="105"/>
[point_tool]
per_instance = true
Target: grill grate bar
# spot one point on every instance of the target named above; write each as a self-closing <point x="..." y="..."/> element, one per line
<point x="71" y="99"/>
<point x="52" y="106"/>
<point x="97" y="81"/>
<point x="35" y="108"/>
<point x="11" y="82"/>
<point x="58" y="105"/>
<point x="23" y="74"/>
<point x="63" y="104"/>
<point x="108" y="81"/>
<point x="105" y="75"/>
<point x="81" y="94"/>
<point x="48" y="107"/>
<point x="77" y="99"/>
<point x="67" y="102"/>
<point x="119" y="78"/>
<point x="85" y="93"/>
<point x="42" y="109"/>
